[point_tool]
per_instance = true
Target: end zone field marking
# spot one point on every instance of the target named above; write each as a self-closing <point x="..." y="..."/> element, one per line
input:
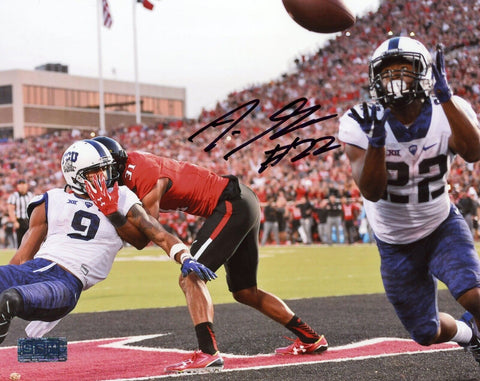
<point x="116" y="359"/>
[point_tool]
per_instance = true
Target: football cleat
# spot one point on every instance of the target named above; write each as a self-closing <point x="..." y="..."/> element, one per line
<point x="300" y="348"/>
<point x="10" y="302"/>
<point x="4" y="325"/>
<point x="199" y="362"/>
<point x="474" y="345"/>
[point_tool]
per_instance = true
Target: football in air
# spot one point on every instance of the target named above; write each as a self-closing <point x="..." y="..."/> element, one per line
<point x="320" y="16"/>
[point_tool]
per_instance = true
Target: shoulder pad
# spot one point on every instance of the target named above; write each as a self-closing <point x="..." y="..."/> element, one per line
<point x="34" y="202"/>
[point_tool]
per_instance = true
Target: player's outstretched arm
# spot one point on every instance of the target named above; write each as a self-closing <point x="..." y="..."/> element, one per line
<point x="369" y="169"/>
<point x="131" y="234"/>
<point x="107" y="202"/>
<point x="465" y="139"/>
<point x="173" y="246"/>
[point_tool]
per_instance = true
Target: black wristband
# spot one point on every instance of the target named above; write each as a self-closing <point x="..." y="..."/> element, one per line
<point x="117" y="219"/>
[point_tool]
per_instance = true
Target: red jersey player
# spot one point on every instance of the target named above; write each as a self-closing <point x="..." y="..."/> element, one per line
<point x="228" y="236"/>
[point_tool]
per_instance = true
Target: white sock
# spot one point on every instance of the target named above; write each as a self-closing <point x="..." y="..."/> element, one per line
<point x="464" y="333"/>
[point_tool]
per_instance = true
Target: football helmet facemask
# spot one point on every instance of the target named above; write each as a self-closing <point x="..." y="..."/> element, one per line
<point x="389" y="88"/>
<point x="82" y="157"/>
<point x="118" y="153"/>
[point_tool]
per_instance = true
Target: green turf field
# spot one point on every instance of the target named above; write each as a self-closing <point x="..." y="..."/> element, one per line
<point x="149" y="279"/>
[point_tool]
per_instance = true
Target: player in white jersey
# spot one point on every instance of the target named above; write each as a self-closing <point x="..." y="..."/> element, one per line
<point x="400" y="148"/>
<point x="70" y="244"/>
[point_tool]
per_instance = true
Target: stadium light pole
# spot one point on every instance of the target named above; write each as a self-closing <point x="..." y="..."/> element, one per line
<point x="100" y="72"/>
<point x="135" y="64"/>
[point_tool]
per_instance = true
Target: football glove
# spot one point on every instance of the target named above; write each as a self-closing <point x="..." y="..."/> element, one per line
<point x="373" y="127"/>
<point x="98" y="192"/>
<point x="191" y="265"/>
<point x="441" y="89"/>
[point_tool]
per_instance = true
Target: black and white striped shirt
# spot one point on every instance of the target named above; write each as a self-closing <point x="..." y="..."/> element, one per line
<point x="21" y="202"/>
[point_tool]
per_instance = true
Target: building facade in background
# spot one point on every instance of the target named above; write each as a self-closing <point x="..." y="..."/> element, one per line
<point x="48" y="99"/>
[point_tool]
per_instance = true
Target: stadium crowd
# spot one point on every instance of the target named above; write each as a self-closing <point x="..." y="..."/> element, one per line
<point x="335" y="77"/>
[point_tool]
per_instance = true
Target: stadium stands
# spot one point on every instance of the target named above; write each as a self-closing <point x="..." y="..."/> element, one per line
<point x="334" y="77"/>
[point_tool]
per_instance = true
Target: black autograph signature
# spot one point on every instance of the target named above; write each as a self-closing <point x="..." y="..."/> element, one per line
<point x="296" y="119"/>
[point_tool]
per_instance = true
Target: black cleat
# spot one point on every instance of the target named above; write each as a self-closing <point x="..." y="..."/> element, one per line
<point x="474" y="345"/>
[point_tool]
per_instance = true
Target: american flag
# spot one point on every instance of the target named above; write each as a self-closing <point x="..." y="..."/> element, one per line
<point x="107" y="17"/>
<point x="147" y="4"/>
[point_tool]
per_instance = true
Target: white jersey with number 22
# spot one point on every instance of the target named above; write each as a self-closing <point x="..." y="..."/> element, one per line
<point x="418" y="160"/>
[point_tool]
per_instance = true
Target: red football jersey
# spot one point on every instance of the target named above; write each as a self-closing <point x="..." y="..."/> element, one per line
<point x="195" y="190"/>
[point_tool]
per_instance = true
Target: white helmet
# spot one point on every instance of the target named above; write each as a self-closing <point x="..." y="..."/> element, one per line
<point x="83" y="156"/>
<point x="400" y="49"/>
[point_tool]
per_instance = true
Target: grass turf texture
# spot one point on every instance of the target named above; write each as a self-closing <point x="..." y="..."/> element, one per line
<point x="149" y="279"/>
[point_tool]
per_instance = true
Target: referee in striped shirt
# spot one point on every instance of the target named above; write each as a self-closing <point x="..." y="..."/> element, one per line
<point x="17" y="209"/>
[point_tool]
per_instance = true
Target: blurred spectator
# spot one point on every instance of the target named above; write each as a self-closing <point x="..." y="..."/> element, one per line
<point x="333" y="76"/>
<point x="17" y="209"/>
<point x="9" y="235"/>
<point x="349" y="214"/>
<point x="192" y="228"/>
<point x="306" y="220"/>
<point x="334" y="217"/>
<point x="270" y="225"/>
<point x="282" y="215"/>
<point x="295" y="229"/>
<point x="320" y="214"/>
<point x="365" y="230"/>
<point x="467" y="206"/>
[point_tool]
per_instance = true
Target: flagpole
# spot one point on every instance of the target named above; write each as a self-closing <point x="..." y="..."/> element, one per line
<point x="100" y="72"/>
<point x="135" y="64"/>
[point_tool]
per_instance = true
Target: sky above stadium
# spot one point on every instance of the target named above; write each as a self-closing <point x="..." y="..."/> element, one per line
<point x="210" y="47"/>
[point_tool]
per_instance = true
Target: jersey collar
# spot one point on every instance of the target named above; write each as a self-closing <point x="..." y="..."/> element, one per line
<point x="417" y="130"/>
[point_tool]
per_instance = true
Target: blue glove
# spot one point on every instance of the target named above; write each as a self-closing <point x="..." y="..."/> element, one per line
<point x="441" y="89"/>
<point x="373" y="127"/>
<point x="190" y="264"/>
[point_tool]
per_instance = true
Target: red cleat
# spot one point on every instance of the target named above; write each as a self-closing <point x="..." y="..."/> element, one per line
<point x="199" y="363"/>
<point x="300" y="348"/>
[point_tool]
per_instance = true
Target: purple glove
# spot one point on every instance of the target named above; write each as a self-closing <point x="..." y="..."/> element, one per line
<point x="191" y="265"/>
<point x="373" y="127"/>
<point x="441" y="89"/>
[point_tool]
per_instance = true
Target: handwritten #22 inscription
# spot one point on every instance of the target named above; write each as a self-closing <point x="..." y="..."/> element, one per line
<point x="289" y="118"/>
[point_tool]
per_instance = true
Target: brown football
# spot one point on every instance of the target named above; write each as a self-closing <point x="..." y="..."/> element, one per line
<point x="320" y="16"/>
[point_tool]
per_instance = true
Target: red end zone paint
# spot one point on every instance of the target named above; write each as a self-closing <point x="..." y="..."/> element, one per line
<point x="112" y="359"/>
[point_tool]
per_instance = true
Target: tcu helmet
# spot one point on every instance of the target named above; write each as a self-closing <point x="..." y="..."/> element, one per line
<point x="118" y="153"/>
<point x="84" y="156"/>
<point x="389" y="87"/>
